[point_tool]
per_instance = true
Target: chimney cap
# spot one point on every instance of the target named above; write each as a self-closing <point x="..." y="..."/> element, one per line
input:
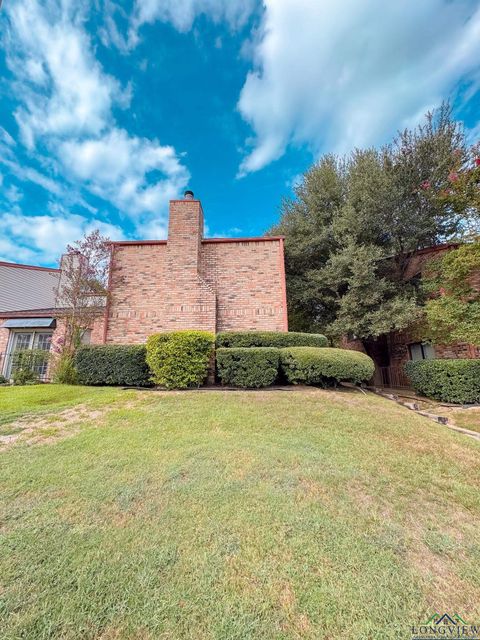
<point x="188" y="195"/>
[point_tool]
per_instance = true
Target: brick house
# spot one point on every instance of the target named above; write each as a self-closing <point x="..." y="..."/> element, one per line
<point x="184" y="282"/>
<point x="192" y="282"/>
<point x="390" y="351"/>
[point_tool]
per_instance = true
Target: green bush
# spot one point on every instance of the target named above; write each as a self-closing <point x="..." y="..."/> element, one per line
<point x="327" y="366"/>
<point x="180" y="359"/>
<point x="109" y="364"/>
<point x="64" y="371"/>
<point x="28" y="365"/>
<point x="446" y="380"/>
<point x="249" y="368"/>
<point x="278" y="339"/>
<point x="3" y="380"/>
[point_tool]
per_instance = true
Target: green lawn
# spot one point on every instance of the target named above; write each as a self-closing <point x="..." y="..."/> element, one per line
<point x="231" y="515"/>
<point x="20" y="402"/>
<point x="465" y="418"/>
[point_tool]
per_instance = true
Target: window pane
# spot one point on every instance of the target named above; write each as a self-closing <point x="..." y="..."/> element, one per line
<point x="416" y="352"/>
<point x="39" y="365"/>
<point x="22" y="341"/>
<point x="428" y="351"/>
<point x="86" y="336"/>
<point x="43" y="341"/>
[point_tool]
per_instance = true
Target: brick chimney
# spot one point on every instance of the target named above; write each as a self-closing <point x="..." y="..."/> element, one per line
<point x="190" y="302"/>
<point x="185" y="234"/>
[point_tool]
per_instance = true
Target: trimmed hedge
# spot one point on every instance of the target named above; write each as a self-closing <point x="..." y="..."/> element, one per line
<point x="446" y="380"/>
<point x="308" y="365"/>
<point x="180" y="359"/>
<point x="249" y="368"/>
<point x="233" y="339"/>
<point x="112" y="364"/>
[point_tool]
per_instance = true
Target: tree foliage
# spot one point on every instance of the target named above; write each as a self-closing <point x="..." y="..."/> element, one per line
<point x="355" y="221"/>
<point x="452" y="312"/>
<point x="83" y="286"/>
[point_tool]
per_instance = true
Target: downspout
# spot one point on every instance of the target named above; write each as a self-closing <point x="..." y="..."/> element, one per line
<point x="284" y="283"/>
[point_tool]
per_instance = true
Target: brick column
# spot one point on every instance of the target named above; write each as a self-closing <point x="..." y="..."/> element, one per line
<point x="190" y="302"/>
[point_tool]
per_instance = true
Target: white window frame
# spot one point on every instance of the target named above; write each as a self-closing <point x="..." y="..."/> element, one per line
<point x="7" y="361"/>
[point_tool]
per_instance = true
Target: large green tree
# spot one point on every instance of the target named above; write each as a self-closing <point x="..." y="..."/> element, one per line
<point x="452" y="283"/>
<point x="355" y="221"/>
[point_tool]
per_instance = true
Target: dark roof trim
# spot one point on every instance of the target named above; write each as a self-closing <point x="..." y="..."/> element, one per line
<point x="437" y="247"/>
<point x="426" y="250"/>
<point x="258" y="239"/>
<point x="121" y="243"/>
<point x="204" y="241"/>
<point x="27" y="266"/>
<point x="28" y="313"/>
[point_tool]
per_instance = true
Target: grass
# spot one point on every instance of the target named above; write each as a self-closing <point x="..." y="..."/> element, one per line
<point x="235" y="515"/>
<point x="467" y="418"/>
<point x="34" y="400"/>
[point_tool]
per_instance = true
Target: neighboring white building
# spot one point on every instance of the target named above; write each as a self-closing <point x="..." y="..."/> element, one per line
<point x="27" y="301"/>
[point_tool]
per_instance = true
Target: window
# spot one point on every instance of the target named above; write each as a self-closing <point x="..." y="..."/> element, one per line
<point x="42" y="341"/>
<point x="22" y="340"/>
<point x="421" y="351"/>
<point x="86" y="336"/>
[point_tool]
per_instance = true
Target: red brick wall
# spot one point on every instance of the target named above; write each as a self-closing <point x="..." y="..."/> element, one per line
<point x="249" y="282"/>
<point x="397" y="344"/>
<point x="418" y="260"/>
<point x="98" y="325"/>
<point x="189" y="300"/>
<point x="4" y="335"/>
<point x="187" y="283"/>
<point x="136" y="292"/>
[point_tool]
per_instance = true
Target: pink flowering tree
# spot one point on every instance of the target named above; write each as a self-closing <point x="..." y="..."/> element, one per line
<point x="461" y="190"/>
<point x="82" y="290"/>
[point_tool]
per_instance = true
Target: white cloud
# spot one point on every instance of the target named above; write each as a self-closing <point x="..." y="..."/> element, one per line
<point x="29" y="174"/>
<point x="62" y="86"/>
<point x="341" y="73"/>
<point x="7" y="145"/>
<point x="109" y="33"/>
<point x="6" y="138"/>
<point x="153" y="228"/>
<point x="473" y="134"/>
<point x="13" y="193"/>
<point x="117" y="166"/>
<point x="182" y="13"/>
<point x="66" y="103"/>
<point x="43" y="238"/>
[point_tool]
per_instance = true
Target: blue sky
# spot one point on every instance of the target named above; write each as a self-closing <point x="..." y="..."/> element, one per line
<point x="109" y="109"/>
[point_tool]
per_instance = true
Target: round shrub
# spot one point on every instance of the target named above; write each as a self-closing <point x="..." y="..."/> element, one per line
<point x="278" y="339"/>
<point x="446" y="380"/>
<point x="112" y="364"/>
<point x="249" y="368"/>
<point x="180" y="359"/>
<point x="309" y="365"/>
